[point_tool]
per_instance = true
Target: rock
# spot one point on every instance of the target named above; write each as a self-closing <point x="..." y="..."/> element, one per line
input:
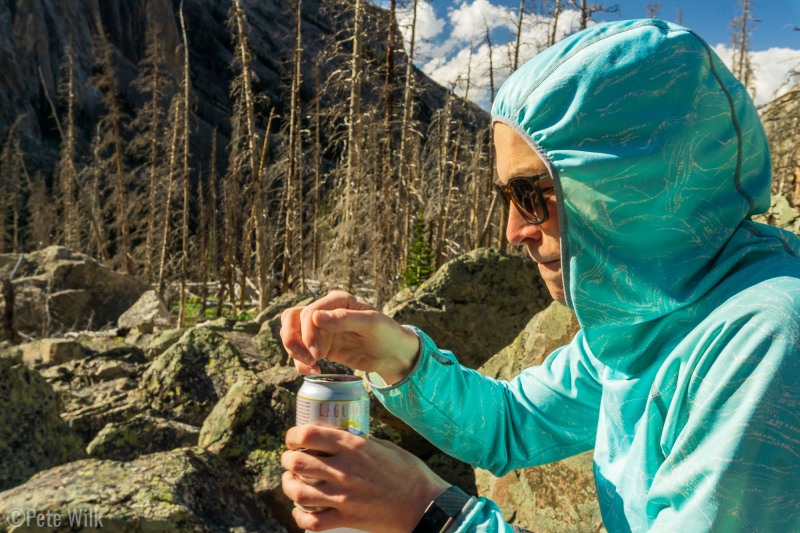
<point x="32" y="435"/>
<point x="549" y="329"/>
<point x="146" y="314"/>
<point x="554" y="498"/>
<point x="182" y="491"/>
<point x="99" y="388"/>
<point x="781" y="214"/>
<point x="59" y="290"/>
<point x="185" y="382"/>
<point x="268" y="341"/>
<point x="162" y="342"/>
<point x="475" y="304"/>
<point x="47" y="352"/>
<point x="559" y="497"/>
<point x="125" y="441"/>
<point x="279" y="304"/>
<point x="11" y="353"/>
<point x="255" y="414"/>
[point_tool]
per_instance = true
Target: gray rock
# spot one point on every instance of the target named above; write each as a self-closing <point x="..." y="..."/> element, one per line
<point x="781" y="214"/>
<point x="47" y="352"/>
<point x="475" y="304"/>
<point x="146" y="314"/>
<point x="559" y="497"/>
<point x="59" y="290"/>
<point x="182" y="491"/>
<point x="549" y="329"/>
<point x="254" y="414"/>
<point x="32" y="435"/>
<point x="125" y="441"/>
<point x="185" y="382"/>
<point x="555" y="498"/>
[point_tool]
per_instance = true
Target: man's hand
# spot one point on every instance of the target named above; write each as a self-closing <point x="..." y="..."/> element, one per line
<point x="368" y="484"/>
<point x="341" y="328"/>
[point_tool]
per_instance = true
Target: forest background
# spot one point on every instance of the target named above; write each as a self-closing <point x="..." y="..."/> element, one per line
<point x="235" y="150"/>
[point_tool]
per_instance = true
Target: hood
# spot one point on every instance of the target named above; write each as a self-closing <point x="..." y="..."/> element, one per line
<point x="658" y="156"/>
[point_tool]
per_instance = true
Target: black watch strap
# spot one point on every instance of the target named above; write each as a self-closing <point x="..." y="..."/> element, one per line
<point x="442" y="511"/>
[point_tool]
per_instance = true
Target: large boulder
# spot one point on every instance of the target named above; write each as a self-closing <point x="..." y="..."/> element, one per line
<point x="475" y="304"/>
<point x="781" y="214"/>
<point x="143" y="434"/>
<point x="558" y="497"/>
<point x="254" y="414"/>
<point x="181" y="491"/>
<point x="56" y="290"/>
<point x="32" y="435"/>
<point x="99" y="388"/>
<point x="186" y="381"/>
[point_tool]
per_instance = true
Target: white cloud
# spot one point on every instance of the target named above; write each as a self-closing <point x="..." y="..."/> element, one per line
<point x="449" y="62"/>
<point x="771" y="69"/>
<point x="428" y="25"/>
<point x="446" y="49"/>
<point x="470" y="20"/>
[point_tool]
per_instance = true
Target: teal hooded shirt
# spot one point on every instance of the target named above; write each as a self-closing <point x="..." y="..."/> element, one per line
<point x="685" y="375"/>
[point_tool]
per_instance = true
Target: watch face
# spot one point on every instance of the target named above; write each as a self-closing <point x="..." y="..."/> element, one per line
<point x="442" y="511"/>
<point x="434" y="520"/>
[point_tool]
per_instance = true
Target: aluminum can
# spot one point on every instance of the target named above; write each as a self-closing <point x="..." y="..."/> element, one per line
<point x="338" y="400"/>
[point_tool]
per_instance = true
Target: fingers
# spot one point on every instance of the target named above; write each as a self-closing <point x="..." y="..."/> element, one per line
<point x="292" y="339"/>
<point x="323" y="439"/>
<point x="306" y="466"/>
<point x="337" y="302"/>
<point x="345" y="320"/>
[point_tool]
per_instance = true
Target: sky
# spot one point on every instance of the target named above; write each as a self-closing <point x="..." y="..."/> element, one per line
<point x="451" y="37"/>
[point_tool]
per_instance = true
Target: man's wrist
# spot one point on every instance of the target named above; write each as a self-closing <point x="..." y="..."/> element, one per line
<point x="405" y="359"/>
<point x="442" y="511"/>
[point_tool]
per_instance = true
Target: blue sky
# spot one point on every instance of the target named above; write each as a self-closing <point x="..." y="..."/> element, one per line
<point x="451" y="37"/>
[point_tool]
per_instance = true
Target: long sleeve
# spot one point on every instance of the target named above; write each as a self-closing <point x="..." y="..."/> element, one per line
<point x="545" y="414"/>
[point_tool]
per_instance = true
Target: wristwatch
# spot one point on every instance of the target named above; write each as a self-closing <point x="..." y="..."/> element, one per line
<point x="442" y="511"/>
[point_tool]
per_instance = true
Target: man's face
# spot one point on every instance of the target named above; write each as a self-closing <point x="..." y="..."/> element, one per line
<point x="543" y="242"/>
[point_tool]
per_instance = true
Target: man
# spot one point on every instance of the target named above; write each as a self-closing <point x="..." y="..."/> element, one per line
<point x="632" y="161"/>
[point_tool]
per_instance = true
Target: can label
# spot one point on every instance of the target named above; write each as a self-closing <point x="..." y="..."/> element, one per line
<point x="337" y="400"/>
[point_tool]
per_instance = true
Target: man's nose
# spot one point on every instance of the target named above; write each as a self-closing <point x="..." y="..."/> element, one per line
<point x="517" y="228"/>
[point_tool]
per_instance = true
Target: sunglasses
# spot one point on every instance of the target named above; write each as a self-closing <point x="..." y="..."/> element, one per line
<point x="528" y="197"/>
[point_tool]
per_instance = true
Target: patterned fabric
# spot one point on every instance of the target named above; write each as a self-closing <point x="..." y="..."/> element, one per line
<point x="685" y="376"/>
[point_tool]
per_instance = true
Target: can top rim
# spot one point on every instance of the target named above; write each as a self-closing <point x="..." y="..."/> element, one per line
<point x="333" y="378"/>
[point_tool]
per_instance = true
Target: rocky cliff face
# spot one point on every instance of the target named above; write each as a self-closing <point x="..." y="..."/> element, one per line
<point x="34" y="34"/>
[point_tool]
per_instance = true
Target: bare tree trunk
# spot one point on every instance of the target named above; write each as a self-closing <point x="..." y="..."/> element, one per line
<point x="67" y="173"/>
<point x="120" y="176"/>
<point x="556" y="14"/>
<point x="406" y="194"/>
<point x="209" y="217"/>
<point x="518" y="40"/>
<point x="292" y="243"/>
<point x="353" y="134"/>
<point x="263" y="266"/>
<point x="186" y="190"/>
<point x="173" y="156"/>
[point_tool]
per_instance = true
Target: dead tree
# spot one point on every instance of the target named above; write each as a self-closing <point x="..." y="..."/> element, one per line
<point x="110" y="147"/>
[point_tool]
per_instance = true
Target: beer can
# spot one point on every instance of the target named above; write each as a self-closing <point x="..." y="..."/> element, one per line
<point x="339" y="400"/>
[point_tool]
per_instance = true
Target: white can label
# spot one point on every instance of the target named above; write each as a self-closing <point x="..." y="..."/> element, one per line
<point x="350" y="415"/>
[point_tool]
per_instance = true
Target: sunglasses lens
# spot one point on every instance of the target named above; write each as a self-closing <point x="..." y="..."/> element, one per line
<point x="527" y="199"/>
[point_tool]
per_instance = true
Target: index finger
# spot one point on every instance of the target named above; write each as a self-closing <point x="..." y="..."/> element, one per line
<point x="310" y="331"/>
<point x="325" y="439"/>
<point x="291" y="336"/>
